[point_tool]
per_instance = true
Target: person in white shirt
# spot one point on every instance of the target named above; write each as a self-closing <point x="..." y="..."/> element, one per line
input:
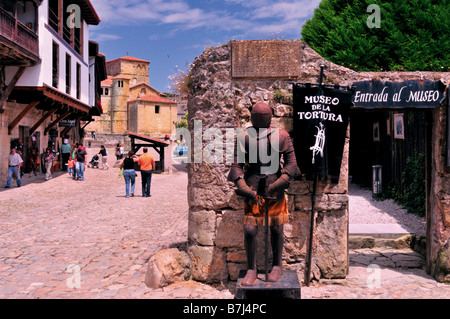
<point x="14" y="162"/>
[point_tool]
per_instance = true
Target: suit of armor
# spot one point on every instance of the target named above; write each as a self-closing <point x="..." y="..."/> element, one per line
<point x="263" y="149"/>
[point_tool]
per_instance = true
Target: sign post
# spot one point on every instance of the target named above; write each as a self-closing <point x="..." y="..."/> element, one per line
<point x="321" y="115"/>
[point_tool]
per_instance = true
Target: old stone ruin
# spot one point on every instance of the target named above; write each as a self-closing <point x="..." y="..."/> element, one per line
<point x="226" y="81"/>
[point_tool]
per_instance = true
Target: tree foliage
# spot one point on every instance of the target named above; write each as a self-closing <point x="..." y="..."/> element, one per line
<point x="413" y="34"/>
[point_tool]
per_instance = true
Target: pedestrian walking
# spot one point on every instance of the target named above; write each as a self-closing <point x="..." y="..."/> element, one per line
<point x="129" y="173"/>
<point x="49" y="159"/>
<point x="65" y="154"/>
<point x="119" y="152"/>
<point x="73" y="156"/>
<point x="80" y="164"/>
<point x="70" y="166"/>
<point x="104" y="153"/>
<point x="15" y="162"/>
<point x="147" y="164"/>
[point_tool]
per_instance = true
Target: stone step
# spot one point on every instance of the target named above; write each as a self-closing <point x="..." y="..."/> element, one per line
<point x="379" y="235"/>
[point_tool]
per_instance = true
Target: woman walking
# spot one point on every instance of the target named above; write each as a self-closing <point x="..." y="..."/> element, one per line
<point x="129" y="174"/>
<point x="104" y="155"/>
<point x="49" y="158"/>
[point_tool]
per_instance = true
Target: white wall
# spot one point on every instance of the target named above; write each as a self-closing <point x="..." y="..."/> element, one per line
<point x="92" y="81"/>
<point x="41" y="73"/>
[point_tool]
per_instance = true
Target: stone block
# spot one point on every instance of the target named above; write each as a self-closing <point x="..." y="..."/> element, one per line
<point x="208" y="263"/>
<point x="323" y="202"/>
<point x="230" y="229"/>
<point x="295" y="236"/>
<point x="266" y="59"/>
<point x="209" y="197"/>
<point x="444" y="206"/>
<point x="202" y="227"/>
<point x="234" y="270"/>
<point x="237" y="256"/>
<point x="166" y="267"/>
<point x="282" y="110"/>
<point x="330" y="245"/>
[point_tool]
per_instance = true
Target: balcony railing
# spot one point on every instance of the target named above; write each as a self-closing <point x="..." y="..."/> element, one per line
<point x="18" y="33"/>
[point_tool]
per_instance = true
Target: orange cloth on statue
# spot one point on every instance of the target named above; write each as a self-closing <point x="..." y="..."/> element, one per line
<point x="278" y="213"/>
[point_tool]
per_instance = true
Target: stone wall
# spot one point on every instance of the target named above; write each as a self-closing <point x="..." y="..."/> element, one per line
<point x="222" y="98"/>
<point x="216" y="214"/>
<point x="438" y="222"/>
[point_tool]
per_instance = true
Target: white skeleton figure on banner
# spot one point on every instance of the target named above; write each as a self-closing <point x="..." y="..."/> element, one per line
<point x="320" y="142"/>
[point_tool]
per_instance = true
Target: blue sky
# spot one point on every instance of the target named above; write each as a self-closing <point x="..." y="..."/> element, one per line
<point x="172" y="33"/>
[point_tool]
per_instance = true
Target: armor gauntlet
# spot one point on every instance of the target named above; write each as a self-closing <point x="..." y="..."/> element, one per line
<point x="281" y="183"/>
<point x="245" y="190"/>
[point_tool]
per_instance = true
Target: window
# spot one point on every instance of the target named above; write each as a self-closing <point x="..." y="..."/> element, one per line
<point x="156" y="109"/>
<point x="66" y="21"/>
<point x="55" y="65"/>
<point x="53" y="14"/>
<point x="67" y="30"/>
<point x="78" y="39"/>
<point x="106" y="91"/>
<point x="78" y="81"/>
<point x="68" y="73"/>
<point x="399" y="126"/>
<point x="120" y="84"/>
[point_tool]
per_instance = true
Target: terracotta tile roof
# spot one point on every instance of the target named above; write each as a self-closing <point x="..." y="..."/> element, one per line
<point x="153" y="98"/>
<point x="108" y="81"/>
<point x="129" y="58"/>
<point x="149" y="86"/>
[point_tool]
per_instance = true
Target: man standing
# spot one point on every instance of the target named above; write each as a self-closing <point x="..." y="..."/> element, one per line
<point x="15" y="162"/>
<point x="65" y="153"/>
<point x="81" y="161"/>
<point x="147" y="165"/>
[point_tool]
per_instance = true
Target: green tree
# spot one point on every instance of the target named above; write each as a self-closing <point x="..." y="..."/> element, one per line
<point x="183" y="122"/>
<point x="413" y="34"/>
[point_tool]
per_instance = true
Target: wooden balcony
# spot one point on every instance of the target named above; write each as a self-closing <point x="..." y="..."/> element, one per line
<point x="19" y="45"/>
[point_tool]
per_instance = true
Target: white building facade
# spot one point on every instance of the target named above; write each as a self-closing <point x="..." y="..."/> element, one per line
<point x="51" y="71"/>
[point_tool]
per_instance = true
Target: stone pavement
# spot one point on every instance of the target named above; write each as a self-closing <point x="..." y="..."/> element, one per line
<point x="84" y="239"/>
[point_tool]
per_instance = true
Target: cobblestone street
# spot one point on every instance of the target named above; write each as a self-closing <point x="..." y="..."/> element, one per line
<point x="50" y="228"/>
<point x="84" y="239"/>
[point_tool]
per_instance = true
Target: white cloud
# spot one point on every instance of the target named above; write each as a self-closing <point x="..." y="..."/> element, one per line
<point x="102" y="37"/>
<point x="254" y="16"/>
<point x="287" y="10"/>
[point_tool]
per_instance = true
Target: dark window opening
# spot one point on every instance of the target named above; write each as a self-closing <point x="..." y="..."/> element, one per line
<point x="68" y="73"/>
<point x="156" y="109"/>
<point x="78" y="81"/>
<point x="53" y="14"/>
<point x="55" y="65"/>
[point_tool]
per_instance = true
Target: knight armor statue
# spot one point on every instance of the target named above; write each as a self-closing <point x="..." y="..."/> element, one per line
<point x="263" y="149"/>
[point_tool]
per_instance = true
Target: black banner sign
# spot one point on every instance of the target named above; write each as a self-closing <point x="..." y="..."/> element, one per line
<point x="407" y="94"/>
<point x="320" y="126"/>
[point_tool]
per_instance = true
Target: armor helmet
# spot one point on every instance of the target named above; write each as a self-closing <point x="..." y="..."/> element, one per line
<point x="261" y="115"/>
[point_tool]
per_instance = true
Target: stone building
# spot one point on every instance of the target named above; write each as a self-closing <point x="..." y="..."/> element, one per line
<point x="131" y="104"/>
<point x="226" y="82"/>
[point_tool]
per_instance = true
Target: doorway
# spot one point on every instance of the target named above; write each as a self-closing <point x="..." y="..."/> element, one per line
<point x="396" y="140"/>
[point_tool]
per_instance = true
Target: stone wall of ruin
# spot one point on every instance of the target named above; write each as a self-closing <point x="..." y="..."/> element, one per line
<point x="222" y="98"/>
